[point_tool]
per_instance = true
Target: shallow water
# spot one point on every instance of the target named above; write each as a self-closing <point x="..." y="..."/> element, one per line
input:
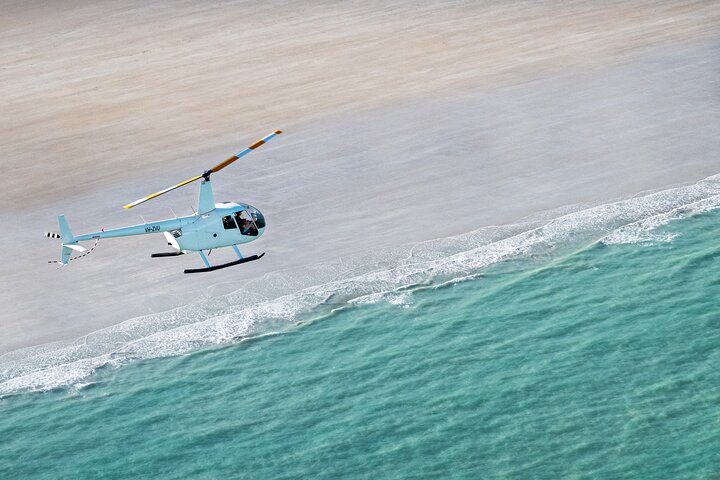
<point x="592" y="353"/>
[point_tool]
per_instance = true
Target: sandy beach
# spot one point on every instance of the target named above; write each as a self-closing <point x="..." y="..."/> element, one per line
<point x="403" y="123"/>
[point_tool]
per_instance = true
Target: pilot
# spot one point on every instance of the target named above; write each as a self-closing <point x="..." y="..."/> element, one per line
<point x="247" y="228"/>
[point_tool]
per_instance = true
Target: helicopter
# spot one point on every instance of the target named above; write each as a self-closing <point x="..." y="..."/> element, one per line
<point x="212" y="226"/>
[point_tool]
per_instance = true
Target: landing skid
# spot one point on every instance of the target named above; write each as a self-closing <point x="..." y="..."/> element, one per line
<point x="166" y="254"/>
<point x="225" y="265"/>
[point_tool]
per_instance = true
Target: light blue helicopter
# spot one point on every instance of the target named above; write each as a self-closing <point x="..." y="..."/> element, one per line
<point x="214" y="225"/>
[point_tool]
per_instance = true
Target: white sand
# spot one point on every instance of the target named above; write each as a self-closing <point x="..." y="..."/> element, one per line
<point x="403" y="123"/>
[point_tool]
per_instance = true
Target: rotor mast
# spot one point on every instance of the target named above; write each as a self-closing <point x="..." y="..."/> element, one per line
<point x="206" y="202"/>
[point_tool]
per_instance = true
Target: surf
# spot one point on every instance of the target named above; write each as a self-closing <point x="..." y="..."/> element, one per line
<point x="283" y="300"/>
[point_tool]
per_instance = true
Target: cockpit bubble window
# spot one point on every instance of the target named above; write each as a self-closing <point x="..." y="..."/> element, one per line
<point x="246" y="223"/>
<point x="228" y="223"/>
<point x="257" y="217"/>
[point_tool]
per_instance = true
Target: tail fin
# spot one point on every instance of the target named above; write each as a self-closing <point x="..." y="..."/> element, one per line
<point x="65" y="232"/>
<point x="69" y="243"/>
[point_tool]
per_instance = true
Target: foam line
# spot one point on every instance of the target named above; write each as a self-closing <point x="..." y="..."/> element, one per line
<point x="282" y="299"/>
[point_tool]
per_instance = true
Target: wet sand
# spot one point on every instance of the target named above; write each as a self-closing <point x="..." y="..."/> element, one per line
<point x="402" y="123"/>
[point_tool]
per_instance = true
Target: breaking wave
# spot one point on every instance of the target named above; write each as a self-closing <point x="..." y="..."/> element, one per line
<point x="282" y="299"/>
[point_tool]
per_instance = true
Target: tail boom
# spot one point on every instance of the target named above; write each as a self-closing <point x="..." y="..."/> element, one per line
<point x="70" y="242"/>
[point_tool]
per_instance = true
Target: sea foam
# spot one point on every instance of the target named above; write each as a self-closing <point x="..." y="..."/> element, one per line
<point x="281" y="299"/>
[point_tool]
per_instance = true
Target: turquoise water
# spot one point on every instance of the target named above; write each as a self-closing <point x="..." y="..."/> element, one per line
<point x="598" y="361"/>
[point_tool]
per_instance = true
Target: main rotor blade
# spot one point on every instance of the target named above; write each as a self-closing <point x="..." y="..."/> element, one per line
<point x="249" y="149"/>
<point x="157" y="194"/>
<point x="214" y="169"/>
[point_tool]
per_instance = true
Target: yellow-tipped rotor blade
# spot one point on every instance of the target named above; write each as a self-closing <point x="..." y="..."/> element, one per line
<point x="157" y="194"/>
<point x="206" y="174"/>
<point x="249" y="149"/>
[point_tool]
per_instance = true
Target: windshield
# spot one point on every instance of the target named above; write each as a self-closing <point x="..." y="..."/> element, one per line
<point x="257" y="217"/>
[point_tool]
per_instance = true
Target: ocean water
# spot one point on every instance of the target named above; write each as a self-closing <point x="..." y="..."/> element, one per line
<point x="581" y="344"/>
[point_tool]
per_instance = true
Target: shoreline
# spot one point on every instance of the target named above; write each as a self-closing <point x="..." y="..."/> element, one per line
<point x="380" y="149"/>
<point x="277" y="303"/>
